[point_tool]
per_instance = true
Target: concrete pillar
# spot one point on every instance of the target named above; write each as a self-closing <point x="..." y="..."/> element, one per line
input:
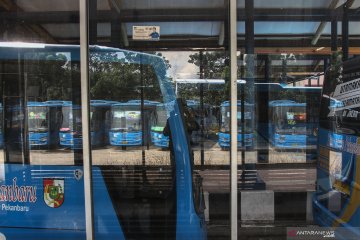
<point x="257" y="205"/>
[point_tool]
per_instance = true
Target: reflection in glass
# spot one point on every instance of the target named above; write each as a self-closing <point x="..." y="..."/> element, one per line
<point x="157" y="136"/>
<point x="38" y="118"/>
<point x="126" y="119"/>
<point x="132" y="121"/>
<point x="224" y="134"/>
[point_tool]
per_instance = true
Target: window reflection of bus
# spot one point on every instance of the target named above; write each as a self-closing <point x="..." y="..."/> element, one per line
<point x="130" y="202"/>
<point x="127" y="128"/>
<point x="71" y="128"/>
<point x="44" y="121"/>
<point x="336" y="201"/>
<point x="1" y="127"/>
<point x="224" y="134"/>
<point x="204" y="117"/>
<point x="289" y="126"/>
<point x="157" y="136"/>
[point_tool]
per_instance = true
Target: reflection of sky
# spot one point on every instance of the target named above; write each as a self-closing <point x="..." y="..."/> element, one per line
<point x="180" y="68"/>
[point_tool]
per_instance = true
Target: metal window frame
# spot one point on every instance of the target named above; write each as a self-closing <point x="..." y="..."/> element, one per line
<point x="85" y="114"/>
<point x="233" y="120"/>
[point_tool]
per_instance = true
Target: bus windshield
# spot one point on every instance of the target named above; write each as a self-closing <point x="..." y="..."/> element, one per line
<point x="38" y="118"/>
<point x="161" y="116"/>
<point x="290" y="119"/>
<point x="225" y="116"/>
<point x="126" y="118"/>
<point x="69" y="115"/>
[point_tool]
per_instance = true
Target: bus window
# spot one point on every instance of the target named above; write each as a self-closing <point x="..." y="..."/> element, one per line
<point x="44" y="179"/>
<point x="143" y="180"/>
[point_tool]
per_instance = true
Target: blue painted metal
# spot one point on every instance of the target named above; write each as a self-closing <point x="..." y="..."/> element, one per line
<point x="24" y="212"/>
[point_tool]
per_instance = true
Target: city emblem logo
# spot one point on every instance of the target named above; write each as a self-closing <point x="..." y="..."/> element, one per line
<point x="78" y="174"/>
<point x="53" y="192"/>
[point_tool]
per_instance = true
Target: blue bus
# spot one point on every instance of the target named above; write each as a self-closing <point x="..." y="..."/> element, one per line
<point x="1" y="127"/>
<point x="224" y="133"/>
<point x="157" y="136"/>
<point x="44" y="120"/>
<point x="71" y="130"/>
<point x="289" y="127"/>
<point x="128" y="126"/>
<point x="336" y="202"/>
<point x="46" y="200"/>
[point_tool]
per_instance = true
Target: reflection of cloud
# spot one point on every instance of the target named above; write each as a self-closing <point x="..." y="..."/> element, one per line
<point x="180" y="68"/>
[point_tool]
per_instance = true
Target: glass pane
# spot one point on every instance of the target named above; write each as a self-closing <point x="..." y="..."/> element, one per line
<point x="155" y="119"/>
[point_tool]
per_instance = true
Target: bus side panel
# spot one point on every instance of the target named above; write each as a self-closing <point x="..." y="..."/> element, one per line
<point x="107" y="225"/>
<point x="26" y="204"/>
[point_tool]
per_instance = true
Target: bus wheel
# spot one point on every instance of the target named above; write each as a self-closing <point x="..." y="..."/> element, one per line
<point x="123" y="147"/>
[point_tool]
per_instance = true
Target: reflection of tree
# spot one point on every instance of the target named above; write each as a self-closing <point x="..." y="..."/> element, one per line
<point x="213" y="65"/>
<point x="333" y="73"/>
<point x="111" y="77"/>
<point x="50" y="73"/>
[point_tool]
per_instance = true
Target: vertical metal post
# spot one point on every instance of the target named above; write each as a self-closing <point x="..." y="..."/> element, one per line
<point x="202" y="154"/>
<point x="334" y="35"/>
<point x="249" y="76"/>
<point x="345" y="32"/>
<point x="92" y="22"/>
<point x="233" y="120"/>
<point x="262" y="102"/>
<point x="85" y="113"/>
<point x="24" y="100"/>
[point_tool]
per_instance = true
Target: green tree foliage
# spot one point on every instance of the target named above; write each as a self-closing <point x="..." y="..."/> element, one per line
<point x="52" y="76"/>
<point x="49" y="75"/>
<point x="213" y="65"/>
<point x="112" y="78"/>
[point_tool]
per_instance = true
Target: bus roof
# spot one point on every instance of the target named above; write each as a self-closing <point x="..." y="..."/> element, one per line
<point x="98" y="103"/>
<point x="57" y="102"/>
<point x="227" y="103"/>
<point x="136" y="103"/>
<point x="285" y="103"/>
<point x="36" y="104"/>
